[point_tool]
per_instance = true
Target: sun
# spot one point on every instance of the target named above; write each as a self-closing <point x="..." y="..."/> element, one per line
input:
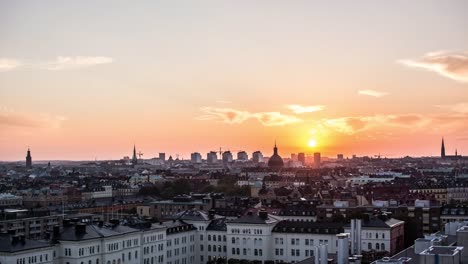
<point x="312" y="143"/>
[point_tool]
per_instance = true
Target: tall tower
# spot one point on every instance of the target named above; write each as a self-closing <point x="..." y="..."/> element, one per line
<point x="28" y="160"/>
<point x="442" y="149"/>
<point x="134" y="157"/>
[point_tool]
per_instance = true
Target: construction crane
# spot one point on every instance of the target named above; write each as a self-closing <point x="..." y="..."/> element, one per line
<point x="139" y="154"/>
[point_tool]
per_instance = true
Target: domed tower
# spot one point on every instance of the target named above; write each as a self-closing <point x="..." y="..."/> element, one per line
<point x="275" y="161"/>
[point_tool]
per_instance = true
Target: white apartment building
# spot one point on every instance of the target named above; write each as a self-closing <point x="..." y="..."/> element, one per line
<point x="192" y="237"/>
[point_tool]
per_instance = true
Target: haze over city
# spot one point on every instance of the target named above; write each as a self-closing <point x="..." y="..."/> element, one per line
<point x="83" y="80"/>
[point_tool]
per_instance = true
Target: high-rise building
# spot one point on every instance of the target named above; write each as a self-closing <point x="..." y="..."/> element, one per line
<point x="257" y="157"/>
<point x="442" y="149"/>
<point x="196" y="157"/>
<point x="212" y="157"/>
<point x="293" y="156"/>
<point x="134" y="157"/>
<point x="242" y="155"/>
<point x="227" y="156"/>
<point x="340" y="157"/>
<point x="162" y="156"/>
<point x="317" y="159"/>
<point x="301" y="158"/>
<point x="28" y="159"/>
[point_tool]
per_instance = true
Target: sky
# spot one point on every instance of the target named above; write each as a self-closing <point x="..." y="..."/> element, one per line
<point x="85" y="80"/>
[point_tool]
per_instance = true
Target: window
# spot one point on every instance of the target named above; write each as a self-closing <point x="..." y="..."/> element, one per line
<point x="369" y="246"/>
<point x="377" y="246"/>
<point x="382" y="246"/>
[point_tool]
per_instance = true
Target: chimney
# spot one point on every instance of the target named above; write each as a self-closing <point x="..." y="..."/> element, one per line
<point x="66" y="222"/>
<point x="358" y="237"/>
<point x="114" y="222"/>
<point x="55" y="233"/>
<point x="80" y="229"/>
<point x="343" y="248"/>
<point x="211" y="214"/>
<point x="323" y="254"/>
<point x="263" y="214"/>
<point x="353" y="236"/>
<point x="14" y="240"/>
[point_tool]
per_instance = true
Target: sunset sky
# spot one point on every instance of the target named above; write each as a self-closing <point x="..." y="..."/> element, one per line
<point x="87" y="79"/>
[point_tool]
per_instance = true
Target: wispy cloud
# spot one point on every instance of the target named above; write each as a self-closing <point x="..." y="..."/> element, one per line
<point x="461" y="108"/>
<point x="234" y="116"/>
<point x="449" y="64"/>
<point x="355" y="124"/>
<point x="11" y="118"/>
<point x="372" y="93"/>
<point x="66" y="63"/>
<point x="301" y="109"/>
<point x="9" y="64"/>
<point x="59" y="63"/>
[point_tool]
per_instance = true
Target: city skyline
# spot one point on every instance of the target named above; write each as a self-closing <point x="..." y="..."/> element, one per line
<point x="80" y="81"/>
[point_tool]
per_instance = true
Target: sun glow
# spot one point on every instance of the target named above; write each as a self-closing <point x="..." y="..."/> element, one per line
<point x="312" y="143"/>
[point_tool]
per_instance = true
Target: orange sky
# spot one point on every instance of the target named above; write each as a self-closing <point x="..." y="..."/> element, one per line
<point x="87" y="80"/>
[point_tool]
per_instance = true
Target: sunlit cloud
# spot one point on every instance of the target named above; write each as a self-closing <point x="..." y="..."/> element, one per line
<point x="66" y="63"/>
<point x="372" y="93"/>
<point x="461" y="108"/>
<point x="355" y="124"/>
<point x="11" y="118"/>
<point x="234" y="116"/>
<point x="9" y="64"/>
<point x="276" y="119"/>
<point x="60" y="63"/>
<point x="449" y="64"/>
<point x="301" y="109"/>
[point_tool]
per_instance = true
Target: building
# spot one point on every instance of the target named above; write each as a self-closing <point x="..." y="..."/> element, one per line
<point x="9" y="200"/>
<point x="212" y="157"/>
<point x="20" y="250"/>
<point x="257" y="157"/>
<point x="275" y="161"/>
<point x="317" y="159"/>
<point x="195" y="157"/>
<point x="301" y="158"/>
<point x="227" y="156"/>
<point x="340" y="157"/>
<point x="162" y="156"/>
<point x="451" y="157"/>
<point x="242" y="156"/>
<point x="19" y="222"/>
<point x="379" y="233"/>
<point x="134" y="156"/>
<point x="28" y="160"/>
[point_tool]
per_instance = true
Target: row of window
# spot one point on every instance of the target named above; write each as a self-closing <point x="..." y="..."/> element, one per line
<point x="296" y="241"/>
<point x="33" y="259"/>
<point x="247" y="251"/>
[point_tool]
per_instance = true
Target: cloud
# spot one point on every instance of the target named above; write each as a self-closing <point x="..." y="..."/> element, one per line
<point x="372" y="93"/>
<point x="449" y="64"/>
<point x="66" y="63"/>
<point x="461" y="108"/>
<point x="60" y="63"/>
<point x="9" y="64"/>
<point x="276" y="119"/>
<point x="10" y="118"/>
<point x="234" y="116"/>
<point x="300" y="109"/>
<point x="355" y="124"/>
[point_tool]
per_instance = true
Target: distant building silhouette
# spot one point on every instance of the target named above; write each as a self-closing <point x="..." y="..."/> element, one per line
<point x="257" y="157"/>
<point x="444" y="156"/>
<point x="134" y="157"/>
<point x="442" y="149"/>
<point x="317" y="158"/>
<point x="162" y="156"/>
<point x="301" y="158"/>
<point x="28" y="160"/>
<point x="242" y="155"/>
<point x="196" y="157"/>
<point x="275" y="161"/>
<point x="227" y="156"/>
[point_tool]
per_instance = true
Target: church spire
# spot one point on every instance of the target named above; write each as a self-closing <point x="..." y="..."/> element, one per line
<point x="275" y="149"/>
<point x="134" y="157"/>
<point x="28" y="159"/>
<point x="442" y="149"/>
